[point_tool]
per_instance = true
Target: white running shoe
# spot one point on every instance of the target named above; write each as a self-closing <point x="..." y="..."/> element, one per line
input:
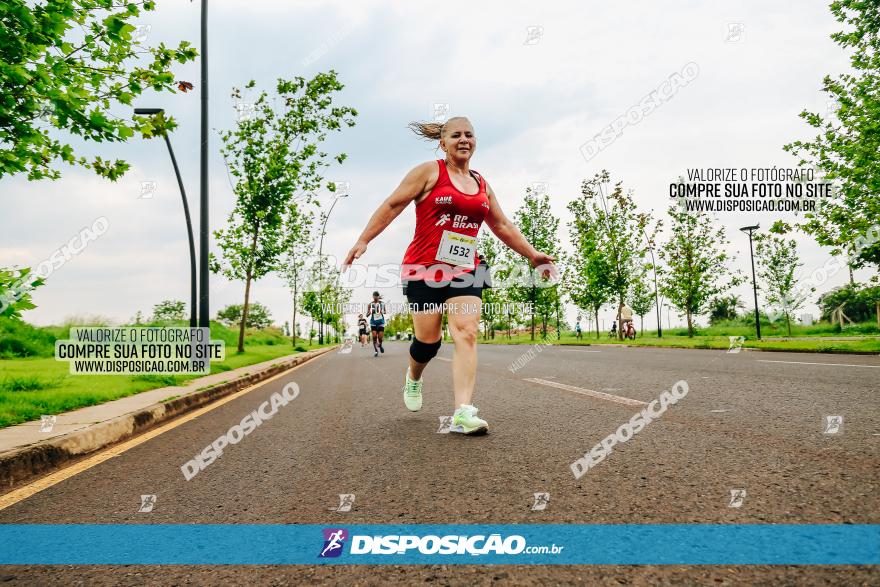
<point x="412" y="394"/>
<point x="465" y="421"/>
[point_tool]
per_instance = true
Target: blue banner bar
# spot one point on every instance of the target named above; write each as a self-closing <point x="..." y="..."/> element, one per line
<point x="544" y="544"/>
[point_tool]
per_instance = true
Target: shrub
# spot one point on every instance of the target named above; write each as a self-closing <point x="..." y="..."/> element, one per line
<point x="859" y="304"/>
<point x="19" y="339"/>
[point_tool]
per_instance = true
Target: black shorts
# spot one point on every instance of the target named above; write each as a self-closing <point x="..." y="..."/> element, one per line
<point x="422" y="296"/>
<point x="362" y="332"/>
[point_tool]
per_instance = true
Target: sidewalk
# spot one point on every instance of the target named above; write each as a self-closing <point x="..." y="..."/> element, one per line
<point x="25" y="451"/>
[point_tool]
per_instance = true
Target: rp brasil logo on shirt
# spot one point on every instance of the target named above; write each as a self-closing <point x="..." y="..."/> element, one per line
<point x="334" y="541"/>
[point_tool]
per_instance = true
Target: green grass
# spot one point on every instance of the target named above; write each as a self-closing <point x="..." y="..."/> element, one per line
<point x="677" y="338"/>
<point x="35" y="385"/>
<point x="778" y="329"/>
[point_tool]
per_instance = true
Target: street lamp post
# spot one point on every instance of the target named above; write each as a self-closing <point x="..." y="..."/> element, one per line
<point x="189" y="232"/>
<point x="204" y="306"/>
<point x="656" y="294"/>
<point x="750" y="230"/>
<point x="321" y="268"/>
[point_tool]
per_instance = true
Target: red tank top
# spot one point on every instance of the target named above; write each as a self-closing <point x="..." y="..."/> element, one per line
<point x="449" y="217"/>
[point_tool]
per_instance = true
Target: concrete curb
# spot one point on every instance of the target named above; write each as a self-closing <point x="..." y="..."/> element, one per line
<point x="24" y="463"/>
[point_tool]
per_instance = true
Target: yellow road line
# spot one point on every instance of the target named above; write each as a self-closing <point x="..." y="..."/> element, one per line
<point x="48" y="481"/>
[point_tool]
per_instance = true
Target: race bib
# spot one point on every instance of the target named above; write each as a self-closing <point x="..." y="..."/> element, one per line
<point x="457" y="249"/>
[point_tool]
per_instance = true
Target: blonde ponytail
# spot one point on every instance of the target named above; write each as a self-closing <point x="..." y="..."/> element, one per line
<point x="432" y="131"/>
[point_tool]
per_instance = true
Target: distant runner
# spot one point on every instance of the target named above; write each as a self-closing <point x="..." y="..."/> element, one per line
<point x="441" y="263"/>
<point x="376" y="310"/>
<point x="362" y="330"/>
<point x="626" y="319"/>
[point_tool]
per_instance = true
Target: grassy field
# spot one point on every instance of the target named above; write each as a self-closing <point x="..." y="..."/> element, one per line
<point x="822" y="338"/>
<point x="32" y="386"/>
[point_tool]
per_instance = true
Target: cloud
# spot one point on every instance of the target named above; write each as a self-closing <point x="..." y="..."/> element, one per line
<point x="533" y="106"/>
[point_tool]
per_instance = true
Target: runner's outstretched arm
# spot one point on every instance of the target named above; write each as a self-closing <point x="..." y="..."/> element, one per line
<point x="509" y="234"/>
<point x="412" y="186"/>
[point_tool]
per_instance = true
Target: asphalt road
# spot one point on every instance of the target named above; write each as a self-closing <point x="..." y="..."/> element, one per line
<point x="750" y="420"/>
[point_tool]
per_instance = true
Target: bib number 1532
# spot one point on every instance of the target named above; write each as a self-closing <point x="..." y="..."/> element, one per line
<point x="457" y="249"/>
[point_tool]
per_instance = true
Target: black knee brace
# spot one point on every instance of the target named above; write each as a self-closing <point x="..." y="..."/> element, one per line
<point x="422" y="352"/>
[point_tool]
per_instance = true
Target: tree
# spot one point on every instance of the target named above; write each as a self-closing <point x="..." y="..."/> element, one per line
<point x="15" y="291"/>
<point x="334" y="297"/>
<point x="272" y="157"/>
<point x="858" y="304"/>
<point x="778" y="261"/>
<point x="696" y="261"/>
<point x="169" y="311"/>
<point x="724" y="308"/>
<point x="586" y="274"/>
<point x="330" y="290"/>
<point x="258" y="317"/>
<point x="848" y="142"/>
<point x="506" y="268"/>
<point x="537" y="223"/>
<point x="641" y="296"/>
<point x="297" y="226"/>
<point x="64" y="65"/>
<point x="493" y="298"/>
<point x="311" y="307"/>
<point x="620" y="232"/>
<point x="399" y="323"/>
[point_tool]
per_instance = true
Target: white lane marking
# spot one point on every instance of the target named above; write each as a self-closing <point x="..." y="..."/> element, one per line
<point x="589" y="392"/>
<point x="577" y="351"/>
<point x="444" y="359"/>
<point x="826" y="364"/>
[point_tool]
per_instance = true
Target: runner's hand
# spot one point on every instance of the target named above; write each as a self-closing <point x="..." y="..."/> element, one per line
<point x="548" y="262"/>
<point x="356" y="251"/>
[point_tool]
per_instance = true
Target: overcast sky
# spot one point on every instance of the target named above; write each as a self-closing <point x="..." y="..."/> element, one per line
<point x="534" y="95"/>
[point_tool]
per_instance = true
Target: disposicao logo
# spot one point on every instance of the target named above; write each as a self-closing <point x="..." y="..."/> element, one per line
<point x="334" y="540"/>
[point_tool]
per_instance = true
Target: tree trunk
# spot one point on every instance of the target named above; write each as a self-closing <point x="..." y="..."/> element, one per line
<point x="642" y="325"/>
<point x="533" y="313"/>
<point x="878" y="314"/>
<point x="788" y="324"/>
<point x="690" y="324"/>
<point x="247" y="289"/>
<point x="244" y="312"/>
<point x="597" y="324"/>
<point x="558" y="333"/>
<point x="293" y="324"/>
<point x="619" y="323"/>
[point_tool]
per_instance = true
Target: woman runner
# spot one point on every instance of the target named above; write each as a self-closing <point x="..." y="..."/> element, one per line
<point x="440" y="267"/>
